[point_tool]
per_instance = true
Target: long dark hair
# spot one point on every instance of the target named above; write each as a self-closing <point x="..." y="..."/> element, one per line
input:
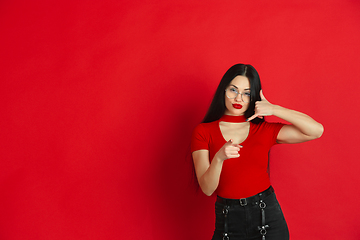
<point x="217" y="107"/>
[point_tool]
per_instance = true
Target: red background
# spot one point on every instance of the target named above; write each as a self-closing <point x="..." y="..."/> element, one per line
<point x="99" y="99"/>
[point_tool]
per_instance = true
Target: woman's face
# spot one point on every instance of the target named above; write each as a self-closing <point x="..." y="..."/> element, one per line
<point x="237" y="106"/>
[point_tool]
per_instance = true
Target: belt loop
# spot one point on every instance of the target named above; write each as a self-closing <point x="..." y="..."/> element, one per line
<point x="243" y="202"/>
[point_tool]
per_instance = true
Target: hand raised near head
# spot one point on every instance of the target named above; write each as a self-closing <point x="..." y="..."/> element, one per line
<point x="262" y="108"/>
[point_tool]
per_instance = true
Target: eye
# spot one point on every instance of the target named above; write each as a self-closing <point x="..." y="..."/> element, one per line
<point x="247" y="94"/>
<point x="233" y="90"/>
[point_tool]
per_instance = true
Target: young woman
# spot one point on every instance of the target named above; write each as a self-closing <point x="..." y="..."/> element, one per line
<point x="230" y="153"/>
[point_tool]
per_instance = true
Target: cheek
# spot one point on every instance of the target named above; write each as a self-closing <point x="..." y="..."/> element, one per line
<point x="228" y="103"/>
<point x="246" y="106"/>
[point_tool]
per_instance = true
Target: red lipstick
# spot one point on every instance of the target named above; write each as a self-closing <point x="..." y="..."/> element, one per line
<point x="237" y="106"/>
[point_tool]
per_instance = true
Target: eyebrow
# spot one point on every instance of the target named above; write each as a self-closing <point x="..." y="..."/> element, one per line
<point x="238" y="88"/>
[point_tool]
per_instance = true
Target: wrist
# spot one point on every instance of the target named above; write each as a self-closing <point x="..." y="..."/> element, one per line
<point x="218" y="159"/>
<point x="276" y="109"/>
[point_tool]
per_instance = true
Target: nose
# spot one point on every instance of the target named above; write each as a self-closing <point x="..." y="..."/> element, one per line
<point x="239" y="98"/>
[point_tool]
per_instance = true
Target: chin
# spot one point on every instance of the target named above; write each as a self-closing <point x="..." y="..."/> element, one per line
<point x="235" y="113"/>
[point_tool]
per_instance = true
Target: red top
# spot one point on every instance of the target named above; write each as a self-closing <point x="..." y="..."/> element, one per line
<point x="246" y="175"/>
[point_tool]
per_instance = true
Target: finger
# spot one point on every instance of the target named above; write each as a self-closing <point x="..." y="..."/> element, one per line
<point x="235" y="155"/>
<point x="236" y="149"/>
<point x="232" y="149"/>
<point x="251" y="118"/>
<point x="262" y="95"/>
<point x="236" y="145"/>
<point x="228" y="143"/>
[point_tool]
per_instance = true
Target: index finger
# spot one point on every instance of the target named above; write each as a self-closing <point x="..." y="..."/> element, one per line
<point x="237" y="146"/>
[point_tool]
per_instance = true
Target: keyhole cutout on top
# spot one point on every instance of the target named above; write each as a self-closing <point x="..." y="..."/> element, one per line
<point x="238" y="132"/>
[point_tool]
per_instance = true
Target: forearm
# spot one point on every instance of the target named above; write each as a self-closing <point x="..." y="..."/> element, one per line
<point x="301" y="121"/>
<point x="209" y="181"/>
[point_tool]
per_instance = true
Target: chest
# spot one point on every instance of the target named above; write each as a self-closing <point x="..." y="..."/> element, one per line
<point x="238" y="132"/>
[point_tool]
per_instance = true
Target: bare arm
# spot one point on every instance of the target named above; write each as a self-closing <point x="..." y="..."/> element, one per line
<point x="208" y="174"/>
<point x="303" y="128"/>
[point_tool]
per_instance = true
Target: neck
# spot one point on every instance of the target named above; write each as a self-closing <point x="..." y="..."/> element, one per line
<point x="233" y="119"/>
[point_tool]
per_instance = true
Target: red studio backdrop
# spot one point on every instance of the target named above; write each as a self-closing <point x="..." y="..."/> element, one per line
<point x="99" y="99"/>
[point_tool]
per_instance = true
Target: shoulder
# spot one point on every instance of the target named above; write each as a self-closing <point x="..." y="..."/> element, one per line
<point x="267" y="131"/>
<point x="271" y="124"/>
<point x="201" y="136"/>
<point x="268" y="126"/>
<point x="205" y="127"/>
<point x="204" y="130"/>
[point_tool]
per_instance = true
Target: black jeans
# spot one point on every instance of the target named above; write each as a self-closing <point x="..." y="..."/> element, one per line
<point x="236" y="222"/>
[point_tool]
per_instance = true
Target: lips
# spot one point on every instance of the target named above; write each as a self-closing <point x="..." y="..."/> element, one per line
<point x="237" y="106"/>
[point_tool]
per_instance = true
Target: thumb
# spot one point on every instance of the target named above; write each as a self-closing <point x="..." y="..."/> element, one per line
<point x="262" y="95"/>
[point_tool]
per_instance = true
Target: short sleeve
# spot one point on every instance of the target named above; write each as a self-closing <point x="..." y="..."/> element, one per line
<point x="199" y="139"/>
<point x="274" y="129"/>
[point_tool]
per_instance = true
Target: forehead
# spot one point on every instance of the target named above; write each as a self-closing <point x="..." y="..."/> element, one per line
<point x="240" y="82"/>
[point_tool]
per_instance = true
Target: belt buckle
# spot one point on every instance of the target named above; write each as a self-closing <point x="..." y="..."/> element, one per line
<point x="243" y="202"/>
